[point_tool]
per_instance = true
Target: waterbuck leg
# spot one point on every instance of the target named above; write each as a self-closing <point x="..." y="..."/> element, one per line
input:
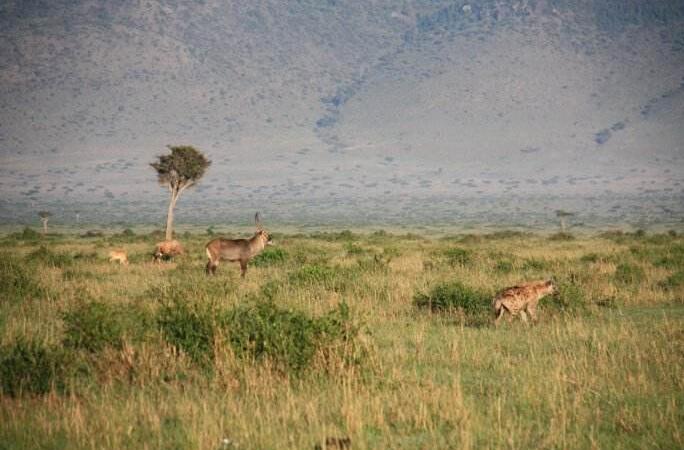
<point x="243" y="268"/>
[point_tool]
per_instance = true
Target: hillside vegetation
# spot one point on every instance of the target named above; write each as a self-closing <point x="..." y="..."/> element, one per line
<point x="381" y="338"/>
<point x="345" y="103"/>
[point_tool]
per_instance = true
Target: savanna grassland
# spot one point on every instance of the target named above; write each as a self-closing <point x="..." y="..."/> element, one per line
<point x="384" y="339"/>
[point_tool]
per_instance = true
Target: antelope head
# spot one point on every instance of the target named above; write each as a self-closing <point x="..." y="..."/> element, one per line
<point x="261" y="233"/>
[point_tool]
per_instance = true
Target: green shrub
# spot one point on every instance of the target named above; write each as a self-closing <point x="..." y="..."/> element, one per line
<point x="590" y="257"/>
<point x="561" y="236"/>
<point x="673" y="258"/>
<point x="344" y="235"/>
<point x="452" y="296"/>
<point x="29" y="367"/>
<point x="457" y="256"/>
<point x="190" y="328"/>
<point x="569" y="298"/>
<point x="49" y="257"/>
<point x="271" y="289"/>
<point x="94" y="326"/>
<point x="291" y="339"/>
<point x="507" y="234"/>
<point x="17" y="282"/>
<point x="503" y="266"/>
<point x="270" y="257"/>
<point x="673" y="281"/>
<point x="29" y="234"/>
<point x="86" y="257"/>
<point x="353" y="249"/>
<point x="629" y="274"/>
<point x="535" y="264"/>
<point x="92" y="234"/>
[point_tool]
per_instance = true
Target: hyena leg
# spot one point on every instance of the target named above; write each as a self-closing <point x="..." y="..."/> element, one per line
<point x="532" y="309"/>
<point x="502" y="310"/>
<point x="243" y="268"/>
<point x="523" y="316"/>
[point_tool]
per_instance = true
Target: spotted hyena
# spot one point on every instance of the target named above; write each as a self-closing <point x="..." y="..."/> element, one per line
<point x="520" y="299"/>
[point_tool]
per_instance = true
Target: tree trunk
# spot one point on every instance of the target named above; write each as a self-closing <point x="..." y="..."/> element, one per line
<point x="45" y="221"/>
<point x="169" y="217"/>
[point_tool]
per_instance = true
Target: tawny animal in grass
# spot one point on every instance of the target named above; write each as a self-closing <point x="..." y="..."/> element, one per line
<point x="521" y="299"/>
<point x="167" y="250"/>
<point x="119" y="255"/>
<point x="237" y="250"/>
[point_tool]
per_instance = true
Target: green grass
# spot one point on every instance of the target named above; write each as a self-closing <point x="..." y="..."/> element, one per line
<point x="382" y="338"/>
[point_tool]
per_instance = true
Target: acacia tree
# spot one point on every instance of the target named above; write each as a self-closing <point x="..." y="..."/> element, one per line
<point x="44" y="217"/>
<point x="179" y="170"/>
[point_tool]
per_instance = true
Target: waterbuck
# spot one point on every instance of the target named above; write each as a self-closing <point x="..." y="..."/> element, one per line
<point x="241" y="250"/>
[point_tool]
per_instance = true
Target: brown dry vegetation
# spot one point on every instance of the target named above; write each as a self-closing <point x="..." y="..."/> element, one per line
<point x="408" y="366"/>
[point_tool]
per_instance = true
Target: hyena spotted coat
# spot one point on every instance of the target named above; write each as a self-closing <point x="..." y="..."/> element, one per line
<point x="521" y="299"/>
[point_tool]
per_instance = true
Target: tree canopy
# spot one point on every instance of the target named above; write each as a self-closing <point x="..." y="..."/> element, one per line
<point x="182" y="167"/>
<point x="179" y="170"/>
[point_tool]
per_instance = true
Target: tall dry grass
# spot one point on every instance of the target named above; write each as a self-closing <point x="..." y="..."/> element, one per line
<point x="602" y="369"/>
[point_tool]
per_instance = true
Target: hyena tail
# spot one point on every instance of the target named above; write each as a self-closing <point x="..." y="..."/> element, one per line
<point x="497" y="304"/>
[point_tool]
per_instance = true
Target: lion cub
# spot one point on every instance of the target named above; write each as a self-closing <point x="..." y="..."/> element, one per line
<point x="119" y="255"/>
<point x="520" y="299"/>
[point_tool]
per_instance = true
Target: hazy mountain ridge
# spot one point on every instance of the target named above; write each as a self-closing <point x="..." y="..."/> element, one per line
<point x="344" y="102"/>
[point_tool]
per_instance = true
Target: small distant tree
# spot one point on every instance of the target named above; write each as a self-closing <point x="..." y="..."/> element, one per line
<point x="44" y="217"/>
<point x="562" y="215"/>
<point x="179" y="170"/>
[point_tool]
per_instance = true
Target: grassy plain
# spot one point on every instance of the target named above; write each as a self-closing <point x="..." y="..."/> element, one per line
<point x="379" y="337"/>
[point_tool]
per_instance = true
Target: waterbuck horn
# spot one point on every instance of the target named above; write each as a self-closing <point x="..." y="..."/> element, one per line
<point x="257" y="221"/>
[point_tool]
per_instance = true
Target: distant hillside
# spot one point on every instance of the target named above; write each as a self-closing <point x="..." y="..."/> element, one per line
<point x="343" y="105"/>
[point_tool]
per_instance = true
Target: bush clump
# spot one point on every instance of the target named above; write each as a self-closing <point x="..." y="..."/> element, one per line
<point x="561" y="236"/>
<point x="629" y="274"/>
<point x="673" y="281"/>
<point x="673" y="259"/>
<point x="262" y="330"/>
<point x="29" y="367"/>
<point x="503" y="266"/>
<point x="291" y="339"/>
<point x="190" y="328"/>
<point x="49" y="257"/>
<point x="535" y="264"/>
<point x="29" y="234"/>
<point x="17" y="282"/>
<point x="456" y="256"/>
<point x="94" y="326"/>
<point x="569" y="298"/>
<point x="270" y="257"/>
<point x="590" y="258"/>
<point x="454" y="296"/>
